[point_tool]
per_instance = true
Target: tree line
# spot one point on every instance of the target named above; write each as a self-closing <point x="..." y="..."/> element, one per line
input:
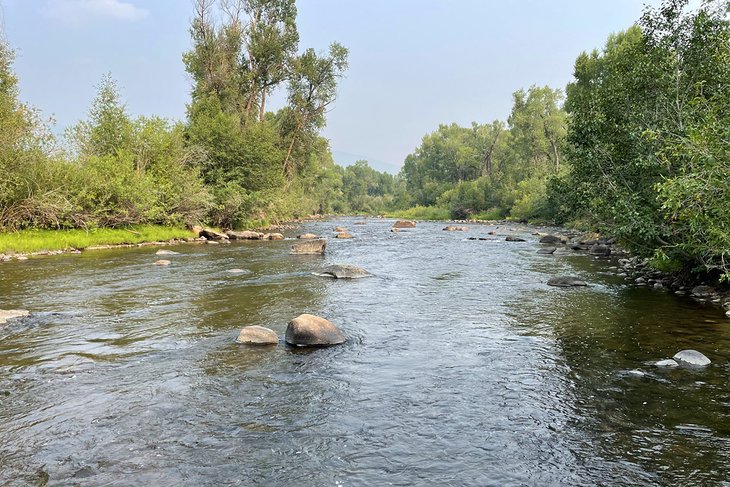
<point x="232" y="162"/>
<point x="638" y="145"/>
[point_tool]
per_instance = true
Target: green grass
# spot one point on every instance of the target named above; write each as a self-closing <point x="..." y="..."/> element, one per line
<point x="492" y="214"/>
<point x="28" y="241"/>
<point x="421" y="213"/>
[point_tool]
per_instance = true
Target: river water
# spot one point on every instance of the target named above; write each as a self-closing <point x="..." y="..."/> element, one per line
<point x="462" y="367"/>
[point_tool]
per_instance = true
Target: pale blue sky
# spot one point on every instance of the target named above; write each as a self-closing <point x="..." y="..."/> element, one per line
<point x="413" y="63"/>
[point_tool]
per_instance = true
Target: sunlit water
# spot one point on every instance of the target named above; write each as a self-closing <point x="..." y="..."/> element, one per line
<point x="462" y="368"/>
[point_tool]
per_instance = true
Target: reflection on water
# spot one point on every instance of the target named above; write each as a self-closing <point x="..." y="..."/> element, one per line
<point x="462" y="368"/>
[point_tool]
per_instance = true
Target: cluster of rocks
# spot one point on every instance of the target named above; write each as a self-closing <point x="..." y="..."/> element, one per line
<point x="303" y="331"/>
<point x="685" y="357"/>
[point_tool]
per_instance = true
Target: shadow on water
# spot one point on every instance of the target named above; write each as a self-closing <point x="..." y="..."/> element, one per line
<point x="462" y="367"/>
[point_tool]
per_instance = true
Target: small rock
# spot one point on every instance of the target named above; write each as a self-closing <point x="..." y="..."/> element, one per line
<point x="511" y="238"/>
<point x="273" y="236"/>
<point x="307" y="236"/>
<point x="166" y="252"/>
<point x="691" y="357"/>
<point x="309" y="330"/>
<point x="339" y="229"/>
<point x="22" y="257"/>
<point x="455" y="229"/>
<point x="395" y="229"/>
<point x="579" y="247"/>
<point x="360" y="223"/>
<point x="491" y="232"/>
<point x="237" y="271"/>
<point x="9" y="314"/>
<point x="547" y="250"/>
<point x="209" y="234"/>
<point x="600" y="250"/>
<point x="566" y="281"/>
<point x="162" y="262"/>
<point x="257" y="335"/>
<point x="310" y="247"/>
<point x="703" y="291"/>
<point x="212" y="242"/>
<point x="667" y="363"/>
<point x="343" y="235"/>
<point x="404" y="224"/>
<point x="244" y="235"/>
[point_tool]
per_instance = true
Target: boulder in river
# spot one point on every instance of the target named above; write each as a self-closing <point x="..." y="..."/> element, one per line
<point x="166" y="252"/>
<point x="309" y="247"/>
<point x="703" y="291"/>
<point x="600" y="250"/>
<point x="404" y="224"/>
<point x="273" y="236"/>
<point x="566" y="281"/>
<point x="691" y="357"/>
<point x="511" y="238"/>
<point x="343" y="235"/>
<point x="455" y="229"/>
<point x="307" y="236"/>
<point x="339" y="229"/>
<point x="209" y="234"/>
<point x="552" y="239"/>
<point x="547" y="250"/>
<point x="9" y="314"/>
<point x="343" y="271"/>
<point x="162" y="262"/>
<point x="257" y="335"/>
<point x="395" y="229"/>
<point x="312" y="331"/>
<point x="244" y="235"/>
<point x="667" y="363"/>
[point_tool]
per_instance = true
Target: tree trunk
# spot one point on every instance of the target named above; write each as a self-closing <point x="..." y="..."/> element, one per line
<point x="262" y="110"/>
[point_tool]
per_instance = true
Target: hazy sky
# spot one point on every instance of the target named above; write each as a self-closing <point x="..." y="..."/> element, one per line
<point x="413" y="63"/>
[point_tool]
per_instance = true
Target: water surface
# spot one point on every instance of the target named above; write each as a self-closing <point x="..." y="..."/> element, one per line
<point x="462" y="368"/>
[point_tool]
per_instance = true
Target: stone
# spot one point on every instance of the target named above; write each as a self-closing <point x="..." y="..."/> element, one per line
<point x="257" y="335"/>
<point x="667" y="363"/>
<point x="339" y="229"/>
<point x="360" y="223"/>
<point x="691" y="357"/>
<point x="309" y="247"/>
<point x="455" y="229"/>
<point x="547" y="250"/>
<point x="9" y="314"/>
<point x="307" y="236"/>
<point x="404" y="224"/>
<point x="343" y="271"/>
<point x="209" y="234"/>
<point x="213" y="242"/>
<point x="273" y="236"/>
<point x="703" y="291"/>
<point x="566" y="281"/>
<point x="552" y="239"/>
<point x="166" y="252"/>
<point x="162" y="262"/>
<point x="491" y="232"/>
<point x="312" y="331"/>
<point x="244" y="235"/>
<point x="579" y="247"/>
<point x="343" y="235"/>
<point x="395" y="229"/>
<point x="600" y="250"/>
<point x="510" y="238"/>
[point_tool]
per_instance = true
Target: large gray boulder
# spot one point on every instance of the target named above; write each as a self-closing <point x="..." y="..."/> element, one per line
<point x="312" y="331"/>
<point x="257" y="335"/>
<point x="244" y="235"/>
<point x="9" y="314"/>
<point x="601" y="250"/>
<point x="691" y="357"/>
<point x="343" y="271"/>
<point x="552" y="239"/>
<point x="309" y="247"/>
<point x="566" y="281"/>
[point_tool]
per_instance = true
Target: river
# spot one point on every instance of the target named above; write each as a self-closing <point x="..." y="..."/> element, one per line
<point x="462" y="367"/>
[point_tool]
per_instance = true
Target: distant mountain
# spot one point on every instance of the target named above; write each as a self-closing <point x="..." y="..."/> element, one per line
<point x="346" y="158"/>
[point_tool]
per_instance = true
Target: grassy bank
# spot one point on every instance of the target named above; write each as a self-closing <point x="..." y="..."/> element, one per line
<point x="29" y="241"/>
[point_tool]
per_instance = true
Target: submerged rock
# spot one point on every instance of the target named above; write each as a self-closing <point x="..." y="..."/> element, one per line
<point x="312" y="331"/>
<point x="310" y="247"/>
<point x="667" y="363"/>
<point x="257" y="335"/>
<point x="510" y="238"/>
<point x="9" y="314"/>
<point x="547" y="250"/>
<point x="162" y="262"/>
<point x="566" y="281"/>
<point x="404" y="224"/>
<point x="237" y="271"/>
<point x="692" y="357"/>
<point x="343" y="271"/>
<point x="166" y="252"/>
